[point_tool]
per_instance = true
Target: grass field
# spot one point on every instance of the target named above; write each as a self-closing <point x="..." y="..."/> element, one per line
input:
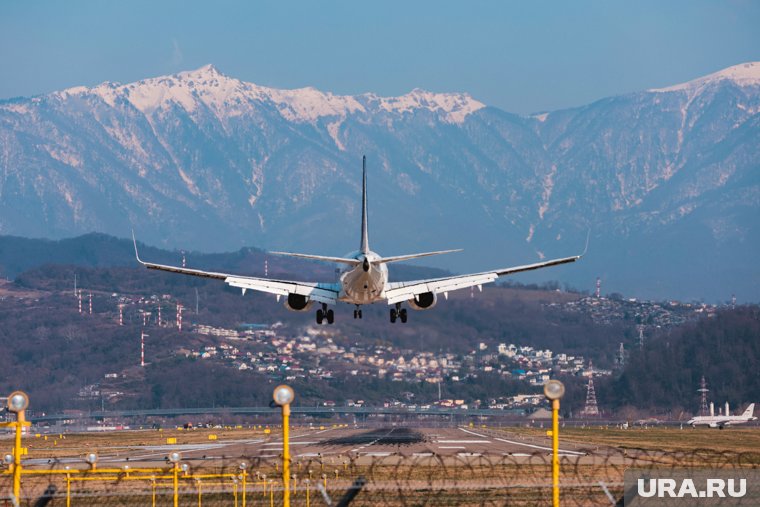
<point x="658" y="438"/>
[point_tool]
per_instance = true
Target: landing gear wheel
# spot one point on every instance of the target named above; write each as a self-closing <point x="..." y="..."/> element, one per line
<point x="360" y="314"/>
<point x="320" y="316"/>
<point x="394" y="314"/>
<point x="330" y="316"/>
<point x="356" y="314"/>
<point x="402" y="315"/>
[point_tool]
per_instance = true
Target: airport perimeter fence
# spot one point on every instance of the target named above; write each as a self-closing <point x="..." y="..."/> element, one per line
<point x="588" y="478"/>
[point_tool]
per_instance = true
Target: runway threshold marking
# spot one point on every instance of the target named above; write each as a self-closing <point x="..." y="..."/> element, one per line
<point x="523" y="443"/>
<point x="452" y="447"/>
<point x="464" y="441"/>
<point x="270" y="444"/>
<point x="567" y="452"/>
<point x="473" y="433"/>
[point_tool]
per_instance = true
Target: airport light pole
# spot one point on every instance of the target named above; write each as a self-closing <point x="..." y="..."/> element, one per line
<point x="92" y="460"/>
<point x="283" y="396"/>
<point x="243" y="475"/>
<point x="18" y="401"/>
<point x="175" y="458"/>
<point x="554" y="390"/>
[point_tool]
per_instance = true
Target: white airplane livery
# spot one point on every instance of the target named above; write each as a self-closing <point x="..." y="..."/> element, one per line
<point x="363" y="279"/>
<point x="721" y="421"/>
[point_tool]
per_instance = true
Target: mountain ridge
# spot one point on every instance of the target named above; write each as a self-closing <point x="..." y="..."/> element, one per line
<point x="226" y="171"/>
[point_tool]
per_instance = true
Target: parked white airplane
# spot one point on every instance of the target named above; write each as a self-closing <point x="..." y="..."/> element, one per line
<point x="720" y="421"/>
<point x="363" y="279"/>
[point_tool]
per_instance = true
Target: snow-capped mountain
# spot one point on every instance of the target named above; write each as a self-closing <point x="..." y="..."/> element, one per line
<point x="666" y="179"/>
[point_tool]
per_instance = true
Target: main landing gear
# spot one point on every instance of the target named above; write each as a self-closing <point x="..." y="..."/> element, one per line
<point x="398" y="313"/>
<point x="325" y="314"/>
<point x="357" y="312"/>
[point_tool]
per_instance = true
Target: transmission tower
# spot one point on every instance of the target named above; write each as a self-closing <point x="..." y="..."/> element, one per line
<point x="591" y="409"/>
<point x="703" y="390"/>
<point x="641" y="337"/>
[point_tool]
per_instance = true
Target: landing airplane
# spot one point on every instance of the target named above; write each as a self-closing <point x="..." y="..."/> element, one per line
<point x="720" y="421"/>
<point x="363" y="279"/>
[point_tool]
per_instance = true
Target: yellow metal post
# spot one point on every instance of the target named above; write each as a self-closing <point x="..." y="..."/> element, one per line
<point x="200" y="494"/>
<point x="153" y="493"/>
<point x="68" y="490"/>
<point x="308" y="503"/>
<point x="176" y="484"/>
<point x="271" y="493"/>
<point x="234" y="491"/>
<point x="555" y="453"/>
<point x="17" y="460"/>
<point x="244" y="474"/>
<point x="286" y="455"/>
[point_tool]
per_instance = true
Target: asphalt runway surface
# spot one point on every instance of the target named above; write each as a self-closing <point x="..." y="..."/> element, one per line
<point x="333" y="444"/>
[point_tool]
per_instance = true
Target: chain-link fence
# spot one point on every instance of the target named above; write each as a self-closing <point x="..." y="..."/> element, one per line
<point x="587" y="478"/>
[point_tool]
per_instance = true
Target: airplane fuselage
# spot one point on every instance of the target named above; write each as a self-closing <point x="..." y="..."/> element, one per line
<point x="365" y="282"/>
<point x="719" y="422"/>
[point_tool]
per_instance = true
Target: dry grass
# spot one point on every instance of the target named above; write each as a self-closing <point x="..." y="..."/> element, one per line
<point x="662" y="438"/>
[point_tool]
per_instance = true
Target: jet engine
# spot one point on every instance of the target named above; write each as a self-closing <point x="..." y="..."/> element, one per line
<point x="298" y="303"/>
<point x="424" y="301"/>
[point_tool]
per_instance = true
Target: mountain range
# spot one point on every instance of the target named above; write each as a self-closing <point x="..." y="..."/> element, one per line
<point x="667" y="180"/>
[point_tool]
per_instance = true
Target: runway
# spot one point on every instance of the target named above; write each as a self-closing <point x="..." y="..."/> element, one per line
<point x="338" y="445"/>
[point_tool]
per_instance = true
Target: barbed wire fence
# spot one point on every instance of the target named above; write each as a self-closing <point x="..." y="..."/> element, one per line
<point x="587" y="478"/>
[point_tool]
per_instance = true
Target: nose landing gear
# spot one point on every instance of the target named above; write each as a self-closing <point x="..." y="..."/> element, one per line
<point x="357" y="312"/>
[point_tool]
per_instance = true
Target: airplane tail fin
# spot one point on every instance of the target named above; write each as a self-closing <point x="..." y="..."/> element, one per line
<point x="364" y="247"/>
<point x="399" y="258"/>
<point x="750" y="410"/>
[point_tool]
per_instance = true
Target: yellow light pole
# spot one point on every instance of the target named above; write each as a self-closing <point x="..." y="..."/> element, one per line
<point x="308" y="483"/>
<point x="243" y="475"/>
<point x="68" y="488"/>
<point x="554" y="390"/>
<point x="175" y="458"/>
<point x="283" y="395"/>
<point x="18" y="401"/>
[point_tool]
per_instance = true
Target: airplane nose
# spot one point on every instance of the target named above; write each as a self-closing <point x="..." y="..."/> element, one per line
<point x="365" y="265"/>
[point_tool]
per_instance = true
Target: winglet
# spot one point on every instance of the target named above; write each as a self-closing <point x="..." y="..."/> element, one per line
<point x="588" y="237"/>
<point x="137" y="255"/>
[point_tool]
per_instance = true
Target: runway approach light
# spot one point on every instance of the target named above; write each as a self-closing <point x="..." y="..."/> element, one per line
<point x="8" y="459"/>
<point x="175" y="457"/>
<point x="91" y="458"/>
<point x="18" y="401"/>
<point x="554" y="390"/>
<point x="283" y="395"/>
<point x="243" y="465"/>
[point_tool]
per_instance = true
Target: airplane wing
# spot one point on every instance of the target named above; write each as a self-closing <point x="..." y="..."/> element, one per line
<point x="403" y="291"/>
<point x="321" y="292"/>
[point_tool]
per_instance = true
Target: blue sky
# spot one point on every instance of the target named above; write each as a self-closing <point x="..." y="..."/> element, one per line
<point x="522" y="56"/>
